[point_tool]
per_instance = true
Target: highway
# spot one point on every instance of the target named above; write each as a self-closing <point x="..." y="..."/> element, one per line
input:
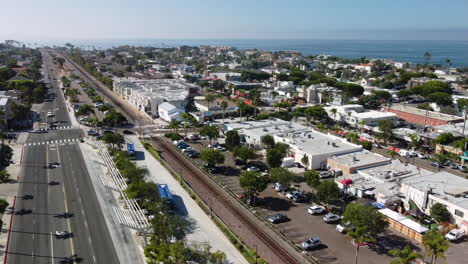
<point x="46" y="194"/>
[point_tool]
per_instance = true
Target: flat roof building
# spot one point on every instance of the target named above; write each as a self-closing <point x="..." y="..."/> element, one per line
<point x="422" y="117"/>
<point x="350" y="163"/>
<point x="147" y="95"/>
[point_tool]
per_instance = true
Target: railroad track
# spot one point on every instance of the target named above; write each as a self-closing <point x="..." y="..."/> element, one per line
<point x="267" y="240"/>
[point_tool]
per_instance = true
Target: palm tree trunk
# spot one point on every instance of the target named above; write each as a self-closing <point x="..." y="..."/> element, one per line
<point x="464" y="123"/>
<point x="357" y="252"/>
<point x="224" y="113"/>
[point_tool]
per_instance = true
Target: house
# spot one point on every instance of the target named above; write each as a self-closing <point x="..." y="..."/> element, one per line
<point x="350" y="163"/>
<point x="169" y="112"/>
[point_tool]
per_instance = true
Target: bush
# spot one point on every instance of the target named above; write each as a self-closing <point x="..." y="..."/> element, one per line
<point x="3" y="205"/>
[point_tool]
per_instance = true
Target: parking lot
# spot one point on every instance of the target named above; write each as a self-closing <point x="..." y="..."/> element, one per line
<point x="335" y="247"/>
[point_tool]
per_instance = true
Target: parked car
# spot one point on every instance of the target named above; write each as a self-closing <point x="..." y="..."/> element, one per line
<point x="182" y="145"/>
<point x="454" y="166"/>
<point x="311" y="243"/>
<point x="300" y="198"/>
<point x="462" y="168"/>
<point x="239" y="162"/>
<point x="92" y="133"/>
<point x="278" y="218"/>
<point x="279" y="187"/>
<point x="435" y="164"/>
<point x="193" y="154"/>
<point x="316" y="209"/>
<point x="331" y="218"/>
<point x="187" y="149"/>
<point x="325" y="174"/>
<point x="253" y="169"/>
<point x="298" y="165"/>
<point x="344" y="227"/>
<point x="421" y="155"/>
<point x="455" y="234"/>
<point x="291" y="194"/>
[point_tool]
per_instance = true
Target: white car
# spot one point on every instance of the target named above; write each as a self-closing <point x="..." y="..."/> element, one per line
<point x="325" y="174"/>
<point x="61" y="234"/>
<point x="49" y="114"/>
<point x="421" y="155"/>
<point x="311" y="243"/>
<point x="316" y="209"/>
<point x="278" y="187"/>
<point x="253" y="169"/>
<point x="290" y="195"/>
<point x="455" y="234"/>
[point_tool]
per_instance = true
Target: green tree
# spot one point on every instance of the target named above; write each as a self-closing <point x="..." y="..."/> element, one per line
<point x="440" y="98"/>
<point x="212" y="157"/>
<point x="444" y="138"/>
<point x="386" y="130"/>
<point x="283" y="148"/>
<point x="392" y="153"/>
<point x="186" y="118"/>
<point x="305" y="161"/>
<point x="85" y="109"/>
<point x="416" y="141"/>
<point x="245" y="153"/>
<point x="115" y="139"/>
<point x="209" y="99"/>
<point x="463" y="107"/>
<point x="368" y="224"/>
<point x="3" y="205"/>
<point x="268" y="141"/>
<point x="143" y="192"/>
<point x="333" y="111"/>
<point x="282" y="176"/>
<point x="440" y="213"/>
<point x="212" y="132"/>
<point x="4" y="176"/>
<point x="223" y="106"/>
<point x="274" y="157"/>
<point x="435" y="245"/>
<point x="328" y="192"/>
<point x="405" y="255"/>
<point x="232" y="139"/>
<point x="114" y="118"/>
<point x="252" y="183"/>
<point x="312" y="179"/>
<point x="352" y="137"/>
<point x="174" y="126"/>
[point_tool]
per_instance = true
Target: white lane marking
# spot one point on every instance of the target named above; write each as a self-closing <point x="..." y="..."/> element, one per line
<point x="52" y="248"/>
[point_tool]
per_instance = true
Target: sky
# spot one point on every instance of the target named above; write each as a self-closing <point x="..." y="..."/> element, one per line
<point x="234" y="19"/>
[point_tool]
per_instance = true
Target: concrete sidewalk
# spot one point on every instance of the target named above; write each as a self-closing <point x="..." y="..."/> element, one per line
<point x="202" y="229"/>
<point x="8" y="192"/>
<point x="125" y="243"/>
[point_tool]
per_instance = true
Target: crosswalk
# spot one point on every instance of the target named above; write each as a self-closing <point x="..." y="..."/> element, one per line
<point x="59" y="141"/>
<point x="62" y="127"/>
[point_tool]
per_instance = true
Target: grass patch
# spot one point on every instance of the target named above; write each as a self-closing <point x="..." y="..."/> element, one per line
<point x="248" y="253"/>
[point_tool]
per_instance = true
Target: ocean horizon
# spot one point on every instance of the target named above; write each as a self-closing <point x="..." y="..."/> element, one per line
<point x="398" y="50"/>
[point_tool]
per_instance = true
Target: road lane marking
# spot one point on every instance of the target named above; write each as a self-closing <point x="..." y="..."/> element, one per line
<point x="52" y="248"/>
<point x="68" y="221"/>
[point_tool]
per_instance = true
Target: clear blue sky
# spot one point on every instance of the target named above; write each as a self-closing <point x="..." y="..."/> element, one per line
<point x="234" y="19"/>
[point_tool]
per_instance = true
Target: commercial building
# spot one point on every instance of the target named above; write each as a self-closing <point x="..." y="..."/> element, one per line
<point x="350" y="163"/>
<point x="442" y="187"/>
<point x="169" y="112"/>
<point x="316" y="146"/>
<point x="147" y="95"/>
<point x="355" y="115"/>
<point x="422" y="117"/>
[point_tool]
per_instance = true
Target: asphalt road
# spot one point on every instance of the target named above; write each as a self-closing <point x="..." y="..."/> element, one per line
<point x="40" y="206"/>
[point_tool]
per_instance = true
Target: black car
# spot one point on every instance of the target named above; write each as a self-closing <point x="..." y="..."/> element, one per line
<point x="239" y="162"/>
<point x="128" y="132"/>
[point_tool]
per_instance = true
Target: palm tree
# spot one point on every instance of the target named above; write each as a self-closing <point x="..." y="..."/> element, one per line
<point x="321" y="127"/>
<point x="435" y="245"/>
<point x="240" y="105"/>
<point x="209" y="99"/>
<point x="186" y="118"/>
<point x="333" y="111"/>
<point x="174" y="126"/>
<point x="405" y="255"/>
<point x="361" y="124"/>
<point x="360" y="236"/>
<point x="392" y="153"/>
<point x="223" y="106"/>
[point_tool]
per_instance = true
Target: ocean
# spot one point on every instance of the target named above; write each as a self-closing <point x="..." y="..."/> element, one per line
<point x="399" y="50"/>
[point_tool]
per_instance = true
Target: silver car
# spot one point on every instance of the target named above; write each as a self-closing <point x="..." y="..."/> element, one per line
<point x="331" y="218"/>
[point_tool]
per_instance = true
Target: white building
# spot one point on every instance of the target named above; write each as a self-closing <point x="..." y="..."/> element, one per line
<point x="147" y="95"/>
<point x="318" y="147"/>
<point x="355" y="115"/>
<point x="169" y="112"/>
<point x="442" y="187"/>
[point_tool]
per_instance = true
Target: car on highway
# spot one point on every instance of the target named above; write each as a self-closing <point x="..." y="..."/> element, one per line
<point x="278" y="218"/>
<point x="331" y="218"/>
<point x="61" y="234"/>
<point x="316" y="209"/>
<point x="311" y="243"/>
<point x="128" y="132"/>
<point x="53" y="165"/>
<point x="92" y="133"/>
<point x="50" y="114"/>
<point x="38" y="131"/>
<point x="23" y="211"/>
